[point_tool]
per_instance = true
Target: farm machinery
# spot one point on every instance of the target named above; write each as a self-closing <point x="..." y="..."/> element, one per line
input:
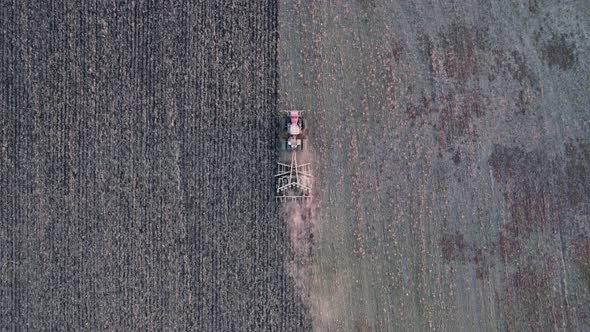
<point x="294" y="180"/>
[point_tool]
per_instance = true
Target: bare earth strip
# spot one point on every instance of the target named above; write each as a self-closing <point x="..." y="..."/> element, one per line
<point x="137" y="145"/>
<point x="453" y="161"/>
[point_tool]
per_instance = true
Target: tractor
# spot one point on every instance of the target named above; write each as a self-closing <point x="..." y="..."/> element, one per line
<point x="294" y="180"/>
<point x="293" y="131"/>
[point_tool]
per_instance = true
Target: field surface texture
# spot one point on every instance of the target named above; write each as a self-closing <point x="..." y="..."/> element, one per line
<point x="137" y="146"/>
<point x="452" y="144"/>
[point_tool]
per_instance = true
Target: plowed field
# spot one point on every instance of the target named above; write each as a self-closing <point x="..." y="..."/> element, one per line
<point x="137" y="147"/>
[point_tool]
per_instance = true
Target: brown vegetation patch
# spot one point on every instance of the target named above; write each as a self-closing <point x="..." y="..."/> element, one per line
<point x="459" y="42"/>
<point x="455" y="117"/>
<point x="419" y="110"/>
<point x="530" y="280"/>
<point x="362" y="325"/>
<point x="513" y="64"/>
<point x="454" y="114"/>
<point x="453" y="247"/>
<point x="482" y="263"/>
<point x="540" y="193"/>
<point x="577" y="169"/>
<point x="529" y="188"/>
<point x="509" y="246"/>
<point x="505" y="162"/>
<point x="581" y="254"/>
<point x="559" y="52"/>
<point x="532" y="295"/>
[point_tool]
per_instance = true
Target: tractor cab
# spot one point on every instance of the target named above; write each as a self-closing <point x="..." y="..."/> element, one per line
<point x="294" y="128"/>
<point x="293" y="125"/>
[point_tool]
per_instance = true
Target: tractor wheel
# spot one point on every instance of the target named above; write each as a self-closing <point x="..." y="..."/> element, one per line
<point x="283" y="145"/>
<point x="285" y="124"/>
<point x="302" y="123"/>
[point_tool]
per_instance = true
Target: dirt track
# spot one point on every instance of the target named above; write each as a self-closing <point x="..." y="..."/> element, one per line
<point x="453" y="180"/>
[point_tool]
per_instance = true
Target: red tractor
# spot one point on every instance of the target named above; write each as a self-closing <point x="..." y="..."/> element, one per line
<point x="294" y="179"/>
<point x="293" y="127"/>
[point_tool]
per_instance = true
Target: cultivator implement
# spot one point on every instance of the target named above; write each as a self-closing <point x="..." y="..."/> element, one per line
<point x="293" y="181"/>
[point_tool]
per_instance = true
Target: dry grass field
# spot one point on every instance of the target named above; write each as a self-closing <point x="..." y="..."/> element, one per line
<point x="453" y="145"/>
